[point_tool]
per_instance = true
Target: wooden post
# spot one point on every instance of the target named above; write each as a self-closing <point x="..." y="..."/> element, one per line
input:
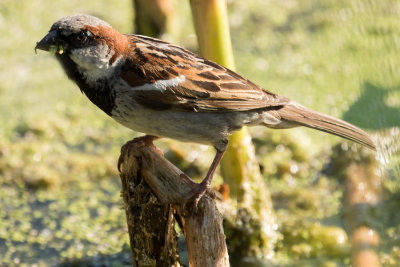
<point x="149" y="214"/>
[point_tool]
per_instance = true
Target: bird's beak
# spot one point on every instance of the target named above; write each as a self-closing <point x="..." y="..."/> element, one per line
<point x="51" y="42"/>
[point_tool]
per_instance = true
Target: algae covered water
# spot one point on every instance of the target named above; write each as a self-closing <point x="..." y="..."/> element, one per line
<point x="59" y="188"/>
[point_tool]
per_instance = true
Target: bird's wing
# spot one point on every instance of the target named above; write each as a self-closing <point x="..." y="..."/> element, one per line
<point x="167" y="76"/>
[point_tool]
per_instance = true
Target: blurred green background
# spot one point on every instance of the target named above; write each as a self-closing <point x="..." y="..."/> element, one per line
<point x="59" y="187"/>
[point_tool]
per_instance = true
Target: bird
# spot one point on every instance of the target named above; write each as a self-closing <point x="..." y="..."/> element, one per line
<point x="163" y="90"/>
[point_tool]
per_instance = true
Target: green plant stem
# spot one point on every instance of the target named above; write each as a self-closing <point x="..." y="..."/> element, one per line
<point x="212" y="29"/>
<point x="239" y="166"/>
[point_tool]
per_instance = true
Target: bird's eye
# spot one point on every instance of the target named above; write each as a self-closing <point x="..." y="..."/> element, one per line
<point x="80" y="38"/>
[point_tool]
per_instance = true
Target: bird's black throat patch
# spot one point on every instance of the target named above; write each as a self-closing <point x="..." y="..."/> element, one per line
<point x="100" y="93"/>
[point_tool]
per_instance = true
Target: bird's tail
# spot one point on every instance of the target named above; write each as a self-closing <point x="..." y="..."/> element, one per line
<point x="298" y="114"/>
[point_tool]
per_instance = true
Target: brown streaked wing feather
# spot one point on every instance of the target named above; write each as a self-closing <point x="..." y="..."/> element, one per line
<point x="207" y="86"/>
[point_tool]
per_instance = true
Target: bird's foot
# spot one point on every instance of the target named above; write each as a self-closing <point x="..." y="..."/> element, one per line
<point x="192" y="198"/>
<point x="135" y="143"/>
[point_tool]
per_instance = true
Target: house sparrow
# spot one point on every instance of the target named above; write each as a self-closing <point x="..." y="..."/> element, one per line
<point x="163" y="90"/>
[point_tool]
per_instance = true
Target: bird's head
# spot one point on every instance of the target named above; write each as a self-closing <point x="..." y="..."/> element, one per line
<point x="90" y="43"/>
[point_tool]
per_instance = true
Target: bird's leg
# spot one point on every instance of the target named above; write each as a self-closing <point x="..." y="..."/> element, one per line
<point x="196" y="193"/>
<point x="146" y="140"/>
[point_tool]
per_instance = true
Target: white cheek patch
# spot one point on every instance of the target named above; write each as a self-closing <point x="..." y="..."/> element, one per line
<point x="91" y="57"/>
<point x="93" y="61"/>
<point x="161" y="85"/>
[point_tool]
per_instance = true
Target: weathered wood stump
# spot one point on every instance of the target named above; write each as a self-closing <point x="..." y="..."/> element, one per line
<point x="153" y="190"/>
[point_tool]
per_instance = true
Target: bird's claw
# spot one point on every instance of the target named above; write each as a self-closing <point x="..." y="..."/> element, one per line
<point x="137" y="142"/>
<point x="126" y="148"/>
<point x="191" y="199"/>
